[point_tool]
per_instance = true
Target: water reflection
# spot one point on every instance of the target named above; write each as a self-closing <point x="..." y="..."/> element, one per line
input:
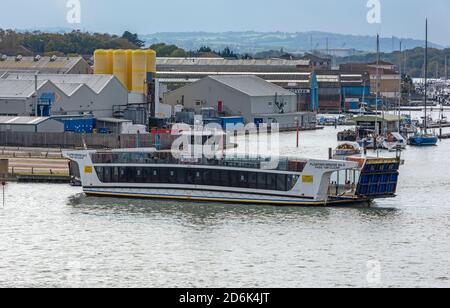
<point x="213" y="214"/>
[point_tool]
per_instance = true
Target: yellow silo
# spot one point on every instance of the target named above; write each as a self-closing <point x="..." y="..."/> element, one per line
<point x="139" y="71"/>
<point x="103" y="62"/>
<point x="151" y="61"/>
<point x="120" y="66"/>
<point x="130" y="69"/>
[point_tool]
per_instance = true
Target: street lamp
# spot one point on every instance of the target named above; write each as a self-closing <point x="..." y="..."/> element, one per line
<point x="298" y="132"/>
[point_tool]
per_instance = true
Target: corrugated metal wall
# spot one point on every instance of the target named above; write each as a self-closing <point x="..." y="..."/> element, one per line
<point x="71" y="140"/>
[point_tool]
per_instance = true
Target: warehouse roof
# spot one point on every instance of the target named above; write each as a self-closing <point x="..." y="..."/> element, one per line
<point x="228" y="62"/>
<point x="15" y="89"/>
<point x="45" y="65"/>
<point x="113" y="120"/>
<point x="22" y="120"/>
<point x="251" y="85"/>
<point x="96" y="82"/>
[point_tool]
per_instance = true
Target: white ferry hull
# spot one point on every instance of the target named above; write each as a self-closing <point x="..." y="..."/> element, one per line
<point x="217" y="196"/>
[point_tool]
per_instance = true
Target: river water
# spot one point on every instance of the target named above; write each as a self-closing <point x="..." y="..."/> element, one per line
<point x="54" y="236"/>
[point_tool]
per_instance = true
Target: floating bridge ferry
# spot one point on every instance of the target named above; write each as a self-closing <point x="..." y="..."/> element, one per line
<point x="148" y="173"/>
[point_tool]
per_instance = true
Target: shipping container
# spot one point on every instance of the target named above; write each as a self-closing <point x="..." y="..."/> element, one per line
<point x="79" y="125"/>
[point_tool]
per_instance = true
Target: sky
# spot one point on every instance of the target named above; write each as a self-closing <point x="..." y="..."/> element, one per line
<point x="401" y="18"/>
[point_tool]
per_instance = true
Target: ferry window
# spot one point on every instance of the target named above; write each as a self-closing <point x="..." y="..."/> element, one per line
<point x="281" y="182"/>
<point x="130" y="174"/>
<point x="291" y="181"/>
<point x="243" y="180"/>
<point x="122" y="175"/>
<point x="262" y="180"/>
<point x="234" y="179"/>
<point x="252" y="180"/>
<point x="99" y="171"/>
<point x="115" y="177"/>
<point x="155" y="176"/>
<point x="147" y="175"/>
<point x="189" y="178"/>
<point x="181" y="176"/>
<point x="225" y="178"/>
<point x="107" y="172"/>
<point x="271" y="181"/>
<point x="198" y="178"/>
<point x="215" y="178"/>
<point x="164" y="175"/>
<point x="173" y="176"/>
<point x="139" y="175"/>
<point x="207" y="177"/>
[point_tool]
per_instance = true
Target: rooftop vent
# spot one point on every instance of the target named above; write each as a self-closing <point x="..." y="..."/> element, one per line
<point x="19" y="58"/>
<point x="53" y="58"/>
<point x="37" y="58"/>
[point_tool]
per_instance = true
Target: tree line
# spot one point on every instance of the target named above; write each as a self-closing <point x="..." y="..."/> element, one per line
<point x="72" y="43"/>
<point x="85" y="43"/>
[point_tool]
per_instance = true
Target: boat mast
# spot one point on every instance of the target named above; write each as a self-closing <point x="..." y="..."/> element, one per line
<point x="400" y="90"/>
<point x="377" y="88"/>
<point x="446" y="68"/>
<point x="426" y="75"/>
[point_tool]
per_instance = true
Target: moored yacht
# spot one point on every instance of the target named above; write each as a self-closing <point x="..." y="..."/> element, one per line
<point x="423" y="138"/>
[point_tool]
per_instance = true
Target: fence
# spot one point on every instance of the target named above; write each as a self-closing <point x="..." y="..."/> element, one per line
<point x="77" y="141"/>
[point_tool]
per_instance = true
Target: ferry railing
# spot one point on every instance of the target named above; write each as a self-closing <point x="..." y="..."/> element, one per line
<point x="339" y="190"/>
<point x="142" y="158"/>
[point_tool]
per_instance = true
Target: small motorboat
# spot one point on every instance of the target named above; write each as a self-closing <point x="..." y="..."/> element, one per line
<point x="347" y="149"/>
<point x="394" y="141"/>
<point x="371" y="142"/>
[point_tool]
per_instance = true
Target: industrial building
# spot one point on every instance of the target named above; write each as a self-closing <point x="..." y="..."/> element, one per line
<point x="173" y="73"/>
<point x="31" y="124"/>
<point x="297" y="76"/>
<point x="317" y="62"/>
<point x="44" y="65"/>
<point x="70" y="94"/>
<point x="383" y="76"/>
<point x="380" y="124"/>
<point x="118" y="126"/>
<point x="355" y="90"/>
<point x="251" y="97"/>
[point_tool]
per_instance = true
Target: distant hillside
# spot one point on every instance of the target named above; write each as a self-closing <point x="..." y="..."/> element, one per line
<point x="253" y="42"/>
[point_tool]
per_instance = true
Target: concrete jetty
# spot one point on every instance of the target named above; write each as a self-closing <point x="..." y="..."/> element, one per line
<point x="35" y="165"/>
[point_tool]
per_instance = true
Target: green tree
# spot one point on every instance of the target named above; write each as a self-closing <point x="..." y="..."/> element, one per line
<point x="133" y="38"/>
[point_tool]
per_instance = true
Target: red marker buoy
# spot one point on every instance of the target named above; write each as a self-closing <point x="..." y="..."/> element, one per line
<point x="3" y="189"/>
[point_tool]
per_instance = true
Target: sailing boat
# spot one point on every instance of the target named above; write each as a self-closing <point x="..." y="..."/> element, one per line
<point x="422" y="138"/>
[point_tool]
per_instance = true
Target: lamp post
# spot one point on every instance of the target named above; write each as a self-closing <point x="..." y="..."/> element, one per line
<point x="298" y="131"/>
